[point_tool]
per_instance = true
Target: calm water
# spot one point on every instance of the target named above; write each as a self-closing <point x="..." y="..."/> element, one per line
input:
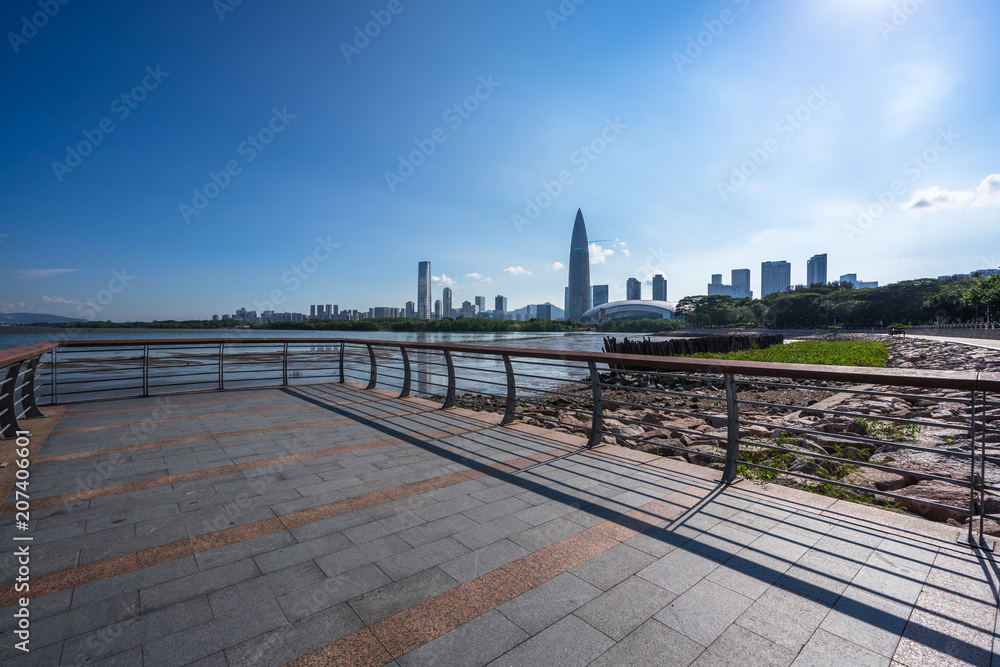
<point x="120" y="372"/>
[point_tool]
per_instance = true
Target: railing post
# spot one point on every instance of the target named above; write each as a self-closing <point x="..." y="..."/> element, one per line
<point x="373" y="375"/>
<point x="733" y="439"/>
<point x="284" y="365"/>
<point x="406" y="372"/>
<point x="983" y="542"/>
<point x="508" y="414"/>
<point x="145" y="370"/>
<point x="222" y="378"/>
<point x="28" y="393"/>
<point x="53" y="396"/>
<point x="972" y="459"/>
<point x="597" y="412"/>
<point x="8" y="404"/>
<point x="341" y="362"/>
<point x="449" y="399"/>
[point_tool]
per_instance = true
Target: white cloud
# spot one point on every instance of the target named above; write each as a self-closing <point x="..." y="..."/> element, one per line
<point x="621" y="246"/>
<point x="987" y="193"/>
<point x="764" y="235"/>
<point x="35" y="274"/>
<point x="556" y="266"/>
<point x="599" y="255"/>
<point x="443" y="281"/>
<point x="517" y="271"/>
<point x="474" y="276"/>
<point x="59" y="301"/>
<point x="18" y="307"/>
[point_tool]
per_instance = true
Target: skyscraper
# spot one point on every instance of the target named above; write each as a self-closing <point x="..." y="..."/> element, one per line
<point x="312" y="310"/>
<point x="500" y="304"/>
<point x="775" y="277"/>
<point x="437" y="309"/>
<point x="481" y="303"/>
<point x="579" y="270"/>
<point x="633" y="290"/>
<point x="741" y="284"/>
<point x="411" y="309"/>
<point x="599" y="295"/>
<point x="446" y="302"/>
<point x="659" y="287"/>
<point x="424" y="290"/>
<point x="816" y="270"/>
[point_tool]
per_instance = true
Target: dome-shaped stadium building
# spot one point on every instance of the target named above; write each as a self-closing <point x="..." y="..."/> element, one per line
<point x="631" y="310"/>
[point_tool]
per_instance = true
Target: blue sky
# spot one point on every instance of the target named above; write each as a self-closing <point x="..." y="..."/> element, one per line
<point x="255" y="158"/>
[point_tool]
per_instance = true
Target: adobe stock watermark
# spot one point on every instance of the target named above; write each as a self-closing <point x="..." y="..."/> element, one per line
<point x="249" y="149"/>
<point x="581" y="158"/>
<point x="562" y="12"/>
<point x="786" y="126"/>
<point x="656" y="262"/>
<point x="31" y="26"/>
<point x="362" y="38"/>
<point x="454" y="116"/>
<point x="704" y="39"/>
<point x="914" y="168"/>
<point x="96" y="304"/>
<point x="223" y="7"/>
<point x="901" y="14"/>
<point x="298" y="273"/>
<point x="122" y="108"/>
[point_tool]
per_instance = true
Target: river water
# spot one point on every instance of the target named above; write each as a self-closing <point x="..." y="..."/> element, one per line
<point x="121" y="371"/>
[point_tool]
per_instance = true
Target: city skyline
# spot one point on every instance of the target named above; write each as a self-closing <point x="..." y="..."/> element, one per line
<point x="259" y="158"/>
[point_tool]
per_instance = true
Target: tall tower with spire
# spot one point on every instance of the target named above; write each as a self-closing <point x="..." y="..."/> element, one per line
<point x="579" y="270"/>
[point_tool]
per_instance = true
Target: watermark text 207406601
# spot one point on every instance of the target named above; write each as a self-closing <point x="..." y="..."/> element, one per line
<point x="22" y="551"/>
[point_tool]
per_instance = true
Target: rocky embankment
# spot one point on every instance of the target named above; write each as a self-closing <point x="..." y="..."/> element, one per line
<point x="700" y="437"/>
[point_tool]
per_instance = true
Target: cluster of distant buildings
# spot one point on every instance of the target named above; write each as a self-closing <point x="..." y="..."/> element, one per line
<point x="777" y="277"/>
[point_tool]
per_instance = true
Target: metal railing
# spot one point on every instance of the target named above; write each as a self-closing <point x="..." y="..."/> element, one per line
<point x="746" y="418"/>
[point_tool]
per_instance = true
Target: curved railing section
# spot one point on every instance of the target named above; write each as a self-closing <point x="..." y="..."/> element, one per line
<point x="744" y="418"/>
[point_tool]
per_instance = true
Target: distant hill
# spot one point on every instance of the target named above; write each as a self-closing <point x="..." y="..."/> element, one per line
<point x="35" y="318"/>
<point x="529" y="311"/>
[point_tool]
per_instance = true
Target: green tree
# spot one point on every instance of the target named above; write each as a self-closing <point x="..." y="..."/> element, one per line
<point x="984" y="295"/>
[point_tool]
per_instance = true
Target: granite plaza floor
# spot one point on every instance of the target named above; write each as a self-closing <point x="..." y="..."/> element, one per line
<point x="328" y="525"/>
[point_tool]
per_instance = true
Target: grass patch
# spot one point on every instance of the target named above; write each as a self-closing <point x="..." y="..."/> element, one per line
<point x="827" y="353"/>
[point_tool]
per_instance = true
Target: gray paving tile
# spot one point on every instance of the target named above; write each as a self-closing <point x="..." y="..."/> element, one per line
<point x="411" y="561"/>
<point x="240" y="550"/>
<point x="625" y="607"/>
<point x="487" y="533"/>
<point x="196" y="582"/>
<point x="549" y="602"/>
<point x="738" y="647"/>
<point x="610" y="568"/>
<point x="545" y="534"/>
<point x="476" y="643"/>
<point x="435" y="530"/>
<point x="296" y="553"/>
<point x="704" y="611"/>
<point x="399" y="595"/>
<point x="678" y="570"/>
<point x="823" y="645"/>
<point x="301" y="637"/>
<point x="653" y="644"/>
<point x="236" y="599"/>
<point x="784" y="617"/>
<point x="568" y="642"/>
<point x="320" y="595"/>
<point x="869" y="620"/>
<point x="477" y="563"/>
<point x="367" y="552"/>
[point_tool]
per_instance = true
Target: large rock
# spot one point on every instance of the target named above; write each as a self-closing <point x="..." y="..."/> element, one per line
<point x="873" y="478"/>
<point x="937" y="492"/>
<point x="699" y="452"/>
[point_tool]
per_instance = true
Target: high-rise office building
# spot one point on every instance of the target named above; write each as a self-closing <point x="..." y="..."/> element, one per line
<point x="500" y="304"/>
<point x="775" y="277"/>
<point x="543" y="311"/>
<point x="312" y="311"/>
<point x="578" y="290"/>
<point x="332" y="311"/>
<point x="741" y="284"/>
<point x="437" y="309"/>
<point x="740" y="289"/>
<point x="633" y="290"/>
<point x="424" y="290"/>
<point x="659" y="287"/>
<point x="446" y="302"/>
<point x="855" y="283"/>
<point x="481" y="303"/>
<point x="816" y="270"/>
<point x="599" y="295"/>
<point x="411" y="309"/>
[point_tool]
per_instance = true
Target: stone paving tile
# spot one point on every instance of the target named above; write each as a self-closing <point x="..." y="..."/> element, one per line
<point x="476" y="643"/>
<point x="399" y="595"/>
<point x="487" y="533"/>
<point x="485" y="559"/>
<point x="237" y="598"/>
<point x="783" y="617"/>
<point x="196" y="583"/>
<point x="432" y="554"/>
<point x="738" y="647"/>
<point x="545" y="604"/>
<point x="568" y="642"/>
<point x="652" y="644"/>
<point x="822" y="646"/>
<point x="704" y="611"/>
<point x="336" y="590"/>
<point x="625" y="607"/>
